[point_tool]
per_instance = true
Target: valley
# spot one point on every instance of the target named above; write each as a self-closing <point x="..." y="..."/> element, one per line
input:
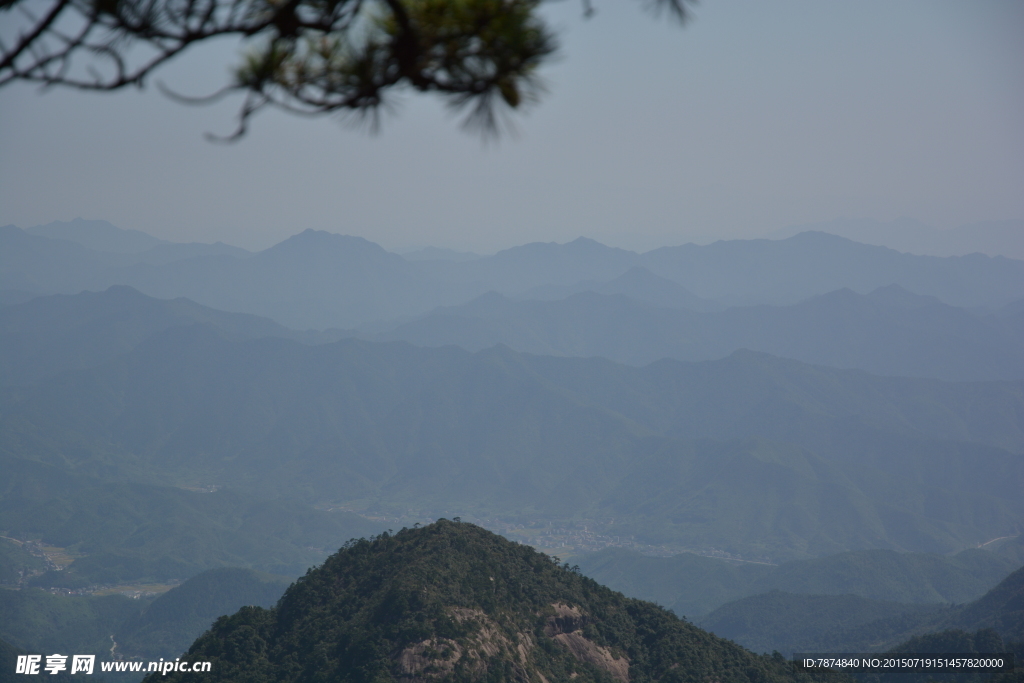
<point x="837" y="464"/>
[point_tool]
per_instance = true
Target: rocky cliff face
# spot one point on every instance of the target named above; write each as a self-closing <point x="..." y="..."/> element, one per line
<point x="453" y="602"/>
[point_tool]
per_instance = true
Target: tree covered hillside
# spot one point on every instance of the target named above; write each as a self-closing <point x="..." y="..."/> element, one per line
<point x="453" y="602"/>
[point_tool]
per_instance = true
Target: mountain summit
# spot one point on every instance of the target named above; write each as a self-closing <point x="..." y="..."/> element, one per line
<point x="453" y="602"/>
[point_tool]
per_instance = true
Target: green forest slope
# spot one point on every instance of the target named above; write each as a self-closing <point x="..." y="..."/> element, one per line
<point x="452" y="602"/>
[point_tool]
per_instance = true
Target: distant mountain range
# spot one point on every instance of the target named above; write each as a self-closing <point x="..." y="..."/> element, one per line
<point x="121" y="386"/>
<point x="50" y="334"/>
<point x="994" y="238"/>
<point x="113" y="246"/>
<point x="751" y="453"/>
<point x="888" y="331"/>
<point x="861" y="601"/>
<point x="321" y="280"/>
<point x="98" y="236"/>
<point x="124" y="532"/>
<point x="849" y="413"/>
<point x="695" y="586"/>
<point x="847" y="623"/>
<point x="637" y="283"/>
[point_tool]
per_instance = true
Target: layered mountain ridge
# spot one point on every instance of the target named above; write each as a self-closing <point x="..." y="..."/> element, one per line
<point x="323" y="280"/>
<point x="849" y="413"/>
<point x="888" y="331"/>
<point x="760" y="455"/>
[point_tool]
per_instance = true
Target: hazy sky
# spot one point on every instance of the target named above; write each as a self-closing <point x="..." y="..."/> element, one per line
<point x="757" y="115"/>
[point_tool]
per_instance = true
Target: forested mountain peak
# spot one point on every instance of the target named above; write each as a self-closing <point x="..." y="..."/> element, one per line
<point x="451" y="601"/>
